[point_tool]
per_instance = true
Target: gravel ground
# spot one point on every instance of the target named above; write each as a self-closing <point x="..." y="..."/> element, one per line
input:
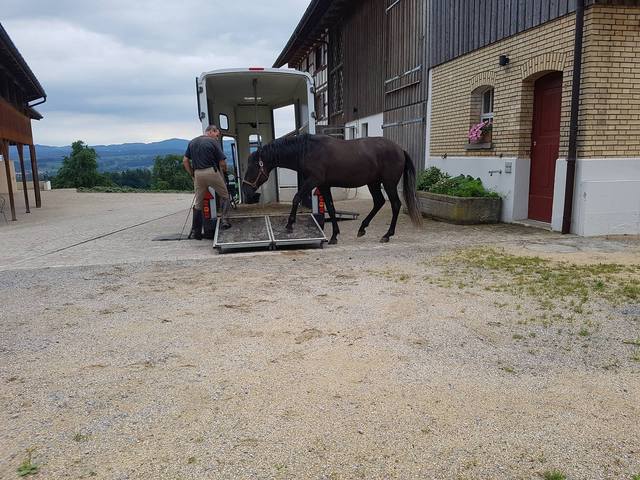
<point x="128" y="359"/>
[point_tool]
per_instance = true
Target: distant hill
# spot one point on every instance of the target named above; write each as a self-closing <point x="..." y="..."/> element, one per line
<point x="115" y="158"/>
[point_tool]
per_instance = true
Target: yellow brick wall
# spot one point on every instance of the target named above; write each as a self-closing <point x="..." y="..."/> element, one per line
<point x="547" y="47"/>
<point x="610" y="105"/>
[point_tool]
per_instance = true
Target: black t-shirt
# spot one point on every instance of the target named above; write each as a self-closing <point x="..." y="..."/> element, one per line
<point x="204" y="152"/>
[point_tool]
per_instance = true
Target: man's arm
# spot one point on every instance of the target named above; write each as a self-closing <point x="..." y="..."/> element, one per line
<point x="223" y="166"/>
<point x="187" y="166"/>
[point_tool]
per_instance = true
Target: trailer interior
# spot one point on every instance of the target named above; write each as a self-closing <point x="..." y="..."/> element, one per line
<point x="241" y="102"/>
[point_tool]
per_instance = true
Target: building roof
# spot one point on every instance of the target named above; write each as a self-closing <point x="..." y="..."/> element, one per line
<point x="319" y="15"/>
<point x="12" y="63"/>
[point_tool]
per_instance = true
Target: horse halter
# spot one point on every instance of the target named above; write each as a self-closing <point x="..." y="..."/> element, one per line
<point x="261" y="172"/>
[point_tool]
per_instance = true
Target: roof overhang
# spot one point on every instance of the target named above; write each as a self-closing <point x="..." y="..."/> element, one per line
<point x="33" y="114"/>
<point x="319" y="15"/>
<point x="16" y="67"/>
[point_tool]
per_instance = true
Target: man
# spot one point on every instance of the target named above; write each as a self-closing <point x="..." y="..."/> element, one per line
<point x="205" y="161"/>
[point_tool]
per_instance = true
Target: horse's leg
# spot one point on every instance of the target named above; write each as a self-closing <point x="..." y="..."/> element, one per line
<point x="396" y="204"/>
<point x="378" y="202"/>
<point x="306" y="188"/>
<point x="328" y="199"/>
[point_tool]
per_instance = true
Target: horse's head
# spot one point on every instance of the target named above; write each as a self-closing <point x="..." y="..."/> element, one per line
<point x="257" y="173"/>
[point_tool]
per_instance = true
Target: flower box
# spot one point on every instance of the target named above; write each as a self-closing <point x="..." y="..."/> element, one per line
<point x="460" y="210"/>
<point x="480" y="136"/>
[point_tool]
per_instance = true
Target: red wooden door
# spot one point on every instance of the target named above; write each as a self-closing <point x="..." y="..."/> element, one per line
<point x="545" y="145"/>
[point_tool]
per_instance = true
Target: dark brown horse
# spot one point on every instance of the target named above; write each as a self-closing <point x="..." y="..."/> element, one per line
<point x="327" y="162"/>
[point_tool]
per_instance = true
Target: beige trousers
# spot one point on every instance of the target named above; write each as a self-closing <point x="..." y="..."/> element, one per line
<point x="205" y="178"/>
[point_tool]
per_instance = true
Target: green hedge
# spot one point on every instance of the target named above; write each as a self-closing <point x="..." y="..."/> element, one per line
<point x="435" y="180"/>
<point x="115" y="189"/>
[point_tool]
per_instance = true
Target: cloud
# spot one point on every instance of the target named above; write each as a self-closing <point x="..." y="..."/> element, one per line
<point x="130" y="67"/>
<point x="105" y="129"/>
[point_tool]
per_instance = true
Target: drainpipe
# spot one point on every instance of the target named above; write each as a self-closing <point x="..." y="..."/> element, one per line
<point x="573" y="126"/>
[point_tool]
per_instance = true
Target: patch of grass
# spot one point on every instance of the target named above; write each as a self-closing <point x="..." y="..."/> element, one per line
<point x="78" y="437"/>
<point x="631" y="290"/>
<point x="636" y="477"/>
<point x="554" y="475"/>
<point x="280" y="467"/>
<point x="508" y="369"/>
<point x="584" y="332"/>
<point x="27" y="467"/>
<point x="517" y="336"/>
<point x="636" y="358"/>
<point x="632" y="342"/>
<point x="554" y="285"/>
<point x="394" y="276"/>
<point x="191" y="460"/>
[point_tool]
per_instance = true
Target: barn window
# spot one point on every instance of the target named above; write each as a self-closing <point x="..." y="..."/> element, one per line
<point x="487" y="105"/>
<point x="321" y="56"/>
<point x="336" y="103"/>
<point x="322" y="104"/>
<point x="480" y="131"/>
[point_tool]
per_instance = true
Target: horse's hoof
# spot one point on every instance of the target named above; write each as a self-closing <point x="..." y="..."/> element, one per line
<point x="384" y="240"/>
<point x="289" y="228"/>
<point x="361" y="233"/>
<point x="333" y="241"/>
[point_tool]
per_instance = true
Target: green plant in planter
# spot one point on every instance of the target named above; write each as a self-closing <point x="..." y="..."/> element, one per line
<point x="435" y="180"/>
<point x="462" y="186"/>
<point x="430" y="177"/>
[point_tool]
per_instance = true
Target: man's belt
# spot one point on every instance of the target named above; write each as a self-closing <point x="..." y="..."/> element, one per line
<point x="215" y="169"/>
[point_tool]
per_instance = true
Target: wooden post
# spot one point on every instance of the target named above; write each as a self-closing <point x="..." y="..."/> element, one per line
<point x="5" y="155"/>
<point x="20" y="147"/>
<point x="36" y="177"/>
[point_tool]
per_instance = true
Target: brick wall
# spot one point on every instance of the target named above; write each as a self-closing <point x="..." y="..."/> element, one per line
<point x="610" y="115"/>
<point x="610" y="104"/>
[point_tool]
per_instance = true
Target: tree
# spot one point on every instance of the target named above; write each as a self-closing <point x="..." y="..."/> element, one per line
<point x="169" y="174"/>
<point x="80" y="169"/>
<point x="139" y="178"/>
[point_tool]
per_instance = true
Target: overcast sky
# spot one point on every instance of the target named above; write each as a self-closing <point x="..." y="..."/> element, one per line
<point x="124" y="71"/>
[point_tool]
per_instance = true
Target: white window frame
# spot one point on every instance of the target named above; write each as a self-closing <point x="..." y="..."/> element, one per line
<point x="484" y="115"/>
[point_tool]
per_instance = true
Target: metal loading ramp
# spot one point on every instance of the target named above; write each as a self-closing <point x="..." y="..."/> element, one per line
<point x="268" y="231"/>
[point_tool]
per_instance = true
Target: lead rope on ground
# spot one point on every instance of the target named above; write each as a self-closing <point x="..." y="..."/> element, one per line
<point x="193" y="202"/>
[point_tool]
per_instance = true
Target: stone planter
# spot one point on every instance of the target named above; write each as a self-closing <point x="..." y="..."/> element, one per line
<point x="460" y="210"/>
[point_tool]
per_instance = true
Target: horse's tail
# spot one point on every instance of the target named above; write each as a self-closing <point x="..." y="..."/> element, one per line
<point x="409" y="191"/>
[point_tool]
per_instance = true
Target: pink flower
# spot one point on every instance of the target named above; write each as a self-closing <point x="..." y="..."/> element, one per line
<point x="477" y="131"/>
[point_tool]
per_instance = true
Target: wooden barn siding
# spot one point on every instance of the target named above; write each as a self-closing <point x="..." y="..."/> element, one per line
<point x="405" y="98"/>
<point x="363" y="60"/>
<point x="404" y="36"/>
<point x="14" y="125"/>
<point x="410" y="136"/>
<point x="461" y="26"/>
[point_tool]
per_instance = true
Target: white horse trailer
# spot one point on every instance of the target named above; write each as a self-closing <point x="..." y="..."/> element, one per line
<point x="241" y="102"/>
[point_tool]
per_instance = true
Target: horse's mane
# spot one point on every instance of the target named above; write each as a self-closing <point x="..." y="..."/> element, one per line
<point x="284" y="148"/>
